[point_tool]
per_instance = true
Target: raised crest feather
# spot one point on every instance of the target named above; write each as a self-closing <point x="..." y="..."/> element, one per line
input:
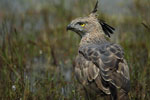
<point x="96" y="7"/>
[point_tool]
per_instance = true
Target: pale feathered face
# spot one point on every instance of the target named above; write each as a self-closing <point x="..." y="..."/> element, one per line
<point x="90" y="24"/>
<point x="84" y="25"/>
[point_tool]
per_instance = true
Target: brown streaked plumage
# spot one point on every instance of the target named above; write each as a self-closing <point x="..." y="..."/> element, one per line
<point x="100" y="65"/>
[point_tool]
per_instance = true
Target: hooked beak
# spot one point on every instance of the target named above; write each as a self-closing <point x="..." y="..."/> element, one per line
<point x="72" y="28"/>
<point x="69" y="27"/>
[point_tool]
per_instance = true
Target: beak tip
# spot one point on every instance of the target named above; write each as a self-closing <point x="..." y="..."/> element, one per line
<point x="69" y="27"/>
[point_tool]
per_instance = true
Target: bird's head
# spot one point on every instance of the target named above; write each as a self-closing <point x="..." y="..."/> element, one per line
<point x="89" y="24"/>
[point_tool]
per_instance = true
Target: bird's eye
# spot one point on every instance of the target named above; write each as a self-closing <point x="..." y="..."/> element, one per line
<point x="82" y="24"/>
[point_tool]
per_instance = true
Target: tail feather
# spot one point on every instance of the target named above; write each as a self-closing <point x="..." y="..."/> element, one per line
<point x="120" y="95"/>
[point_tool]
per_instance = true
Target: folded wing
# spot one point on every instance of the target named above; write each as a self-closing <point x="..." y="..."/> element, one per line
<point x="108" y="60"/>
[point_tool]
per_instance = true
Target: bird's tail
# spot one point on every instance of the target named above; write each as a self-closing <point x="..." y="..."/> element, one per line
<point x="122" y="95"/>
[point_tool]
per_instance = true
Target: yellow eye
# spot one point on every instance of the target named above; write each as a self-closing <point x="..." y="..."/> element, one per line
<point x="82" y="25"/>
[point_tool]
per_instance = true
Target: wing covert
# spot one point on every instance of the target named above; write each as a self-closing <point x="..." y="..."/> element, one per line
<point x="109" y="58"/>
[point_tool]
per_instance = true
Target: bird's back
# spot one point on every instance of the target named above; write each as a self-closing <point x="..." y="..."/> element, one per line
<point x="102" y="70"/>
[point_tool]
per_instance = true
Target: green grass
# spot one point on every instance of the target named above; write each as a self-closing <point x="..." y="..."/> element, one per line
<point x="37" y="53"/>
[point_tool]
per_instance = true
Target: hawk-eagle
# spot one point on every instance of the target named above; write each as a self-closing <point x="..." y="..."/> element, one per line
<point x="100" y="66"/>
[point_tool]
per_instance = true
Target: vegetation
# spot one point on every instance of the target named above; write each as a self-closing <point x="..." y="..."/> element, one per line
<point x="37" y="54"/>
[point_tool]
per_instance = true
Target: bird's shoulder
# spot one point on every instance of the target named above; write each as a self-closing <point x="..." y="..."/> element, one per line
<point x="105" y="51"/>
<point x="109" y="58"/>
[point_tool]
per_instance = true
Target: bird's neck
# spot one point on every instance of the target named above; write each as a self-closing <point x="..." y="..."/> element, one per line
<point x="93" y="38"/>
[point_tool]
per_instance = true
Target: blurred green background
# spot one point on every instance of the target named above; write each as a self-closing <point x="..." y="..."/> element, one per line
<point x="37" y="53"/>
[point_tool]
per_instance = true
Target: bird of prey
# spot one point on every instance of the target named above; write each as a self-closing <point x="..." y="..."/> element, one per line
<point x="100" y="66"/>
